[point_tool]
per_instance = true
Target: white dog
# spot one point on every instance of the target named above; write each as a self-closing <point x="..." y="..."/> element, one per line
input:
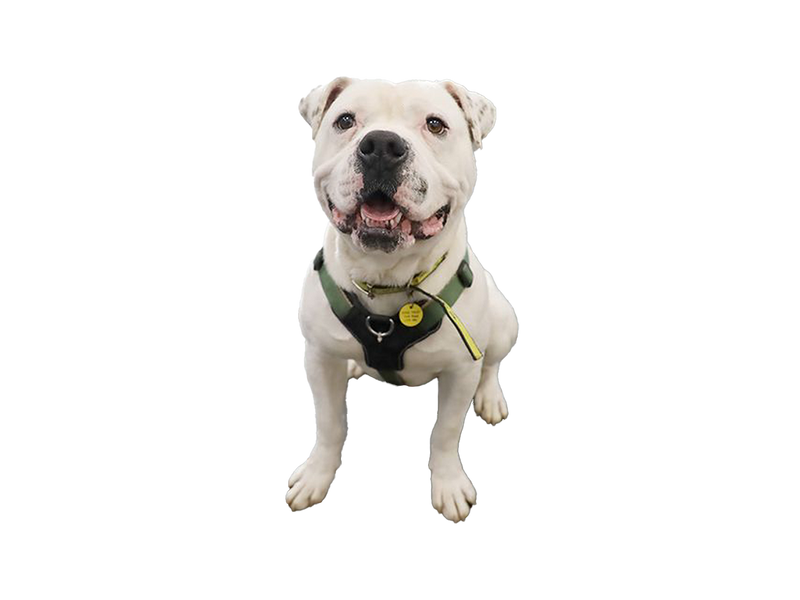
<point x="393" y="170"/>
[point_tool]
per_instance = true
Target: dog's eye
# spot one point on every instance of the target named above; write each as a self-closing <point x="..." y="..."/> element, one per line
<point x="435" y="125"/>
<point x="345" y="121"/>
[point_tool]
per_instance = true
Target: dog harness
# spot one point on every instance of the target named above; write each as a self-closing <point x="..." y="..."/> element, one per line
<point x="385" y="339"/>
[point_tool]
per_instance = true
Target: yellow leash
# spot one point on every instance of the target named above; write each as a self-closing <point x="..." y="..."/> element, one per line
<point x="458" y="323"/>
<point x="380" y="290"/>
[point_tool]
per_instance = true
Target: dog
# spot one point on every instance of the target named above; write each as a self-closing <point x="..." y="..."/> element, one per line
<point x="396" y="292"/>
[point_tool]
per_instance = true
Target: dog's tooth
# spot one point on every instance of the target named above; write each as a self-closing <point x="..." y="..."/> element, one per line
<point x="381" y="223"/>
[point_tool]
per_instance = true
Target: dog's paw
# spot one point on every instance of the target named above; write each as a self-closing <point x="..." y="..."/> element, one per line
<point x="490" y="404"/>
<point x="309" y="484"/>
<point x="453" y="495"/>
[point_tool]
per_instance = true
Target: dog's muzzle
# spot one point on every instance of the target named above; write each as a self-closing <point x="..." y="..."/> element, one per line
<point x="379" y="221"/>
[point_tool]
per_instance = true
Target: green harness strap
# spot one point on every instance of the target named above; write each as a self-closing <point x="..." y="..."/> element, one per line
<point x="353" y="314"/>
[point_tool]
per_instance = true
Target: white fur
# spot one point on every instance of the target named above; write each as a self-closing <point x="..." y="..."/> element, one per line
<point x="332" y="354"/>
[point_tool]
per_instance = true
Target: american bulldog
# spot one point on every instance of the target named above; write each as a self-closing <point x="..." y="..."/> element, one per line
<point x="396" y="292"/>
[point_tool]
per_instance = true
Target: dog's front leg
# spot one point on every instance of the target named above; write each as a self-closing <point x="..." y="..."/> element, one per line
<point x="452" y="492"/>
<point x="327" y="376"/>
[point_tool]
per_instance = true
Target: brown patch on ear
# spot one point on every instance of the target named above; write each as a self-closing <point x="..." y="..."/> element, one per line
<point x="333" y="91"/>
<point x="333" y="95"/>
<point x="453" y="91"/>
<point x="317" y="99"/>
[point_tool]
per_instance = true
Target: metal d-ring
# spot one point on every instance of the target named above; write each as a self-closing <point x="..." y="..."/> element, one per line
<point x="380" y="334"/>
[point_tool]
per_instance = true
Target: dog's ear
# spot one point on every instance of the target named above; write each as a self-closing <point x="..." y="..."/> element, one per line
<point x="314" y="106"/>
<point x="478" y="111"/>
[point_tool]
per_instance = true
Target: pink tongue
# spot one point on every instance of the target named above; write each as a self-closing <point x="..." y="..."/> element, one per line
<point x="379" y="210"/>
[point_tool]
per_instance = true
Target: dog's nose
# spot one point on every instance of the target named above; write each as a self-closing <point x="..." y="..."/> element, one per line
<point x="382" y="149"/>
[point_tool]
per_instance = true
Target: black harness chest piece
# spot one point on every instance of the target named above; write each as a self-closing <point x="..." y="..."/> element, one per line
<point x="384" y="350"/>
<point x="384" y="338"/>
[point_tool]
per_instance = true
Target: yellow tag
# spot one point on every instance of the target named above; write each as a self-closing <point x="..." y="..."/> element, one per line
<point x="411" y="314"/>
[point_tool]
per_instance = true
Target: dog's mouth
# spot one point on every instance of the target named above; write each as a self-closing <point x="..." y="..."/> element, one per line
<point x="379" y="222"/>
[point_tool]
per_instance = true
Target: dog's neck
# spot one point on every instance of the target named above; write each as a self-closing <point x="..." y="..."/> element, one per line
<point x="347" y="263"/>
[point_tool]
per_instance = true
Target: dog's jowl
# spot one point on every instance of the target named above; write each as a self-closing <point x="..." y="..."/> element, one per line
<point x="396" y="292"/>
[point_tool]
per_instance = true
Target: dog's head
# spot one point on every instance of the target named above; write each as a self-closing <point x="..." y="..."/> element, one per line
<point x="394" y="162"/>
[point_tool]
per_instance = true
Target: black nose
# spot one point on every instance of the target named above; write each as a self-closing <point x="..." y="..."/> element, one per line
<point x="382" y="150"/>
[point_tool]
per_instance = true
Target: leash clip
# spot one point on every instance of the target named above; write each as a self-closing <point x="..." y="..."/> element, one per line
<point x="365" y="288"/>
